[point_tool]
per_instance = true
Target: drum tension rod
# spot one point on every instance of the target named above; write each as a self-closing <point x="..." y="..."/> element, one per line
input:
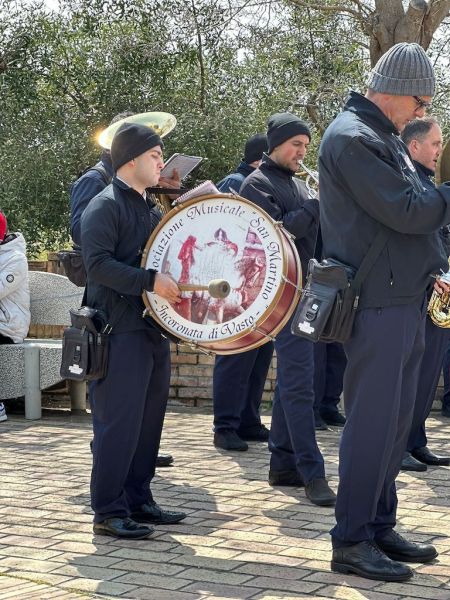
<point x="286" y="280"/>
<point x="266" y="335"/>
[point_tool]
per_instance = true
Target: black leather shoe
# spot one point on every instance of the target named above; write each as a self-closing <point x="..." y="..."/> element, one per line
<point x="228" y="439"/>
<point x="319" y="492"/>
<point x="424" y="455"/>
<point x="123" y="527"/>
<point x="164" y="460"/>
<point x="396" y="547"/>
<point x="366" y="560"/>
<point x="152" y="513"/>
<point x="445" y="412"/>
<point x="291" y="478"/>
<point x="319" y="423"/>
<point x="333" y="418"/>
<point x="259" y="433"/>
<point x="409" y="463"/>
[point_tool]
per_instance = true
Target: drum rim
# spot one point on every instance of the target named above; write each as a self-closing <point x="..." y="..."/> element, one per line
<point x="283" y="239"/>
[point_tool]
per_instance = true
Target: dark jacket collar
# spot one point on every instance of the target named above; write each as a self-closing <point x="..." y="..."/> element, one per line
<point x="370" y="113"/>
<point x="423" y="170"/>
<point x="131" y="191"/>
<point x="270" y="165"/>
<point x="244" y="169"/>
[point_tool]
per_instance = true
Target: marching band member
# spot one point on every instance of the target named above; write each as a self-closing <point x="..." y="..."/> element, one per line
<point x="130" y="402"/>
<point x="369" y="184"/>
<point x="238" y="379"/>
<point x="295" y="457"/>
<point x="423" y="137"/>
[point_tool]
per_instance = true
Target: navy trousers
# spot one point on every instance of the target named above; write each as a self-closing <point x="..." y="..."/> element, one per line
<point x="128" y="414"/>
<point x="292" y="440"/>
<point x="436" y="341"/>
<point x="380" y="385"/>
<point x="238" y="385"/>
<point x="329" y="367"/>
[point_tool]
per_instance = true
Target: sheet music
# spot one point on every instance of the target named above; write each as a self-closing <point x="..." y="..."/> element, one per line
<point x="183" y="163"/>
<point x="207" y="187"/>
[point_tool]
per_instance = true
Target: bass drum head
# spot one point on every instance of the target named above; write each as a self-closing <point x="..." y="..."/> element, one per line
<point x="229" y="238"/>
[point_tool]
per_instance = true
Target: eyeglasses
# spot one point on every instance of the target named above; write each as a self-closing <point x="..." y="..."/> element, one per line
<point x="421" y="103"/>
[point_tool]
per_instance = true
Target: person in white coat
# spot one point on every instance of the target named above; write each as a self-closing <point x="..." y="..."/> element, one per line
<point x="14" y="290"/>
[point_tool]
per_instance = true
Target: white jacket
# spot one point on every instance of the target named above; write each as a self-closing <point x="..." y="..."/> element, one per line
<point x="14" y="289"/>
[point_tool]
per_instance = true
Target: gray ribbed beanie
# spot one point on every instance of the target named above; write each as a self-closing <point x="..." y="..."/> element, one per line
<point x="404" y="70"/>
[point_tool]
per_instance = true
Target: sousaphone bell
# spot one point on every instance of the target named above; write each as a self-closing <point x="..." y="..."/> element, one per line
<point x="161" y="122"/>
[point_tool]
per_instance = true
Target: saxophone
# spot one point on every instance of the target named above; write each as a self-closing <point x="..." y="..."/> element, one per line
<point x="439" y="305"/>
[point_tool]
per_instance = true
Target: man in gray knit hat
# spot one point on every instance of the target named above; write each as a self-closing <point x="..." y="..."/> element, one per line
<point x="370" y="192"/>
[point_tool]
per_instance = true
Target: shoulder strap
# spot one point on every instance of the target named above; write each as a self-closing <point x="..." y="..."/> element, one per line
<point x="369" y="260"/>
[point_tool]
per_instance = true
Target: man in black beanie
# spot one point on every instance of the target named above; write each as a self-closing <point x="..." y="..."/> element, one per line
<point x="238" y="379"/>
<point x="295" y="457"/>
<point x="90" y="183"/>
<point x="129" y="404"/>
<point x="373" y="203"/>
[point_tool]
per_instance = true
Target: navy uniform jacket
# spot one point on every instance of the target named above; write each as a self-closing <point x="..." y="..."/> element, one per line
<point x="285" y="198"/>
<point x="368" y="182"/>
<point x="115" y="228"/>
<point x="426" y="177"/>
<point x="233" y="181"/>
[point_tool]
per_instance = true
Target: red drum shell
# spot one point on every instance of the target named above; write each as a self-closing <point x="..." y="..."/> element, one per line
<point x="274" y="317"/>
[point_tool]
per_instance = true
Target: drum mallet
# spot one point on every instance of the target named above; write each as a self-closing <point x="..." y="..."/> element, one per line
<point x="216" y="288"/>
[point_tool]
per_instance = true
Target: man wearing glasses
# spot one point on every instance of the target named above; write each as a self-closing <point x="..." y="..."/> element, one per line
<point x="368" y="185"/>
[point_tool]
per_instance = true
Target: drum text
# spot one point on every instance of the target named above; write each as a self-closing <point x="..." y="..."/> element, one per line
<point x="274" y="255"/>
<point x="189" y="332"/>
<point x="164" y="241"/>
<point x="203" y="209"/>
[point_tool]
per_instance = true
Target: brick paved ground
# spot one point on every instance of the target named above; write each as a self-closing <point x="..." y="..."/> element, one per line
<point x="241" y="540"/>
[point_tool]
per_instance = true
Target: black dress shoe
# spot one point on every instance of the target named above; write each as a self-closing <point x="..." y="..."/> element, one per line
<point x="258" y="433"/>
<point x="319" y="423"/>
<point x="123" y="527"/>
<point x="152" y="513"/>
<point x="409" y="463"/>
<point x="228" y="439"/>
<point x="319" y="492"/>
<point x="164" y="460"/>
<point x="333" y="418"/>
<point x="291" y="478"/>
<point x="427" y="457"/>
<point x="396" y="547"/>
<point x="366" y="560"/>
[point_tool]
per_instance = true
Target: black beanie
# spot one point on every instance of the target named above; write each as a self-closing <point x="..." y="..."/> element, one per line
<point x="255" y="147"/>
<point x="132" y="140"/>
<point x="282" y="127"/>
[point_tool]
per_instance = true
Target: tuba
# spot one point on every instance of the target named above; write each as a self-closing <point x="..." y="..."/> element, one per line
<point x="439" y="305"/>
<point x="161" y="122"/>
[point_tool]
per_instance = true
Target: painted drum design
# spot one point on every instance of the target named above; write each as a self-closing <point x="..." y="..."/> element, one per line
<point x="224" y="237"/>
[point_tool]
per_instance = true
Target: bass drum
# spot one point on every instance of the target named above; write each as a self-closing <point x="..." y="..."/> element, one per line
<point x="224" y="237"/>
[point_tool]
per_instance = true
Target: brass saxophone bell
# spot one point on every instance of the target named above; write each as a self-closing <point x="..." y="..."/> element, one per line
<point x="161" y="122"/>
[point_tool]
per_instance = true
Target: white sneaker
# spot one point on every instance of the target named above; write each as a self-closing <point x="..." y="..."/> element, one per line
<point x="3" y="416"/>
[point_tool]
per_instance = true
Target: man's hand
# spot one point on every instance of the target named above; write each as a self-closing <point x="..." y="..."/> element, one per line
<point x="166" y="287"/>
<point x="171" y="182"/>
<point x="441" y="287"/>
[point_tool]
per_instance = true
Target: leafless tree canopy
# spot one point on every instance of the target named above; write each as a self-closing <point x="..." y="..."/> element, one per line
<point x="387" y="22"/>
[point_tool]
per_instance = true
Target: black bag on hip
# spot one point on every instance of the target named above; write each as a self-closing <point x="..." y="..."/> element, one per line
<point x="329" y="301"/>
<point x="85" y="345"/>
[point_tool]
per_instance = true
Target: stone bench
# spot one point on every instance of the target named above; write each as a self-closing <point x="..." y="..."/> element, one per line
<point x="34" y="365"/>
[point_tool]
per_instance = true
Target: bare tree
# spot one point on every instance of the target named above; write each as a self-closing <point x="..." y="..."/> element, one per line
<point x="387" y="22"/>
